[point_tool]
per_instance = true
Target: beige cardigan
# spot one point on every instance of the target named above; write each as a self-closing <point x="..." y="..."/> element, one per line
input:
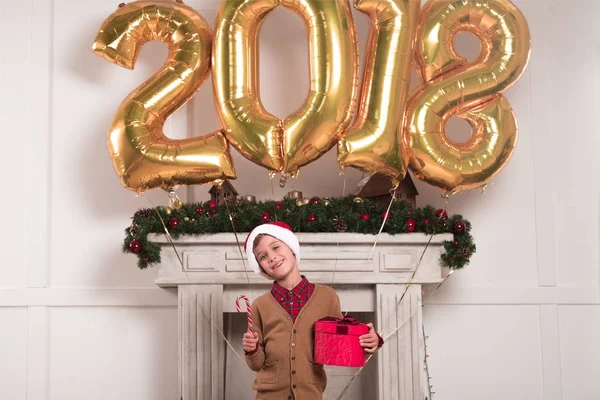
<point x="284" y="358"/>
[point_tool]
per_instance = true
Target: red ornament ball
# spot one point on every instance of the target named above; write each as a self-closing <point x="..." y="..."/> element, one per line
<point x="236" y="203"/>
<point x="426" y="222"/>
<point x="441" y="214"/>
<point x="135" y="246"/>
<point x="145" y="260"/>
<point x="456" y="243"/>
<point x="265" y="217"/>
<point x="385" y="215"/>
<point x="199" y="210"/>
<point x="173" y="222"/>
<point x="314" y="200"/>
<point x="211" y="212"/>
<point x="278" y="205"/>
<point x="459" y="227"/>
<point x="411" y="224"/>
<point x="365" y="217"/>
<point x="312" y="218"/>
<point x="212" y="204"/>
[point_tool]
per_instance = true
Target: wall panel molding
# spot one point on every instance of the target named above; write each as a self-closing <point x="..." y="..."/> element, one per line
<point x="124" y="297"/>
<point x="41" y="144"/>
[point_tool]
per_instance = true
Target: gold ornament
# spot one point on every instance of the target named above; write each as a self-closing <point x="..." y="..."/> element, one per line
<point x="357" y="200"/>
<point x="300" y="202"/>
<point x="186" y="219"/>
<point x="176" y="204"/>
<point x="374" y="143"/>
<point x="294" y="194"/>
<point x="288" y="144"/>
<point x="470" y="90"/>
<point x="282" y="181"/>
<point x="326" y="202"/>
<point x="249" y="198"/>
<point x="168" y="210"/>
<point x="174" y="199"/>
<point x="143" y="157"/>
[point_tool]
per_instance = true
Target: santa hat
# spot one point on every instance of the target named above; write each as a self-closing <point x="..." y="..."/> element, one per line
<point x="280" y="231"/>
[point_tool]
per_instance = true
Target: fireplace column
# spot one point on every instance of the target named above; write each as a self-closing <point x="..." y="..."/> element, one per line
<point x="201" y="347"/>
<point x="400" y="371"/>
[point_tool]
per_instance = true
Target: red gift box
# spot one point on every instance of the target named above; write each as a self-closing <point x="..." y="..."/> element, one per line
<point x="336" y="342"/>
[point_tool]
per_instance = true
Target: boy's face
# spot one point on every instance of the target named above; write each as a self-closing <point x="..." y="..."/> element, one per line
<point x="275" y="257"/>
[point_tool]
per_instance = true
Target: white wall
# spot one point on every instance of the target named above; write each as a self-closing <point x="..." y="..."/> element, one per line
<point x="78" y="320"/>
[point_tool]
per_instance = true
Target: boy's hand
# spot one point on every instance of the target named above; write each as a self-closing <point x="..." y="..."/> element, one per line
<point x="250" y="342"/>
<point x="370" y="341"/>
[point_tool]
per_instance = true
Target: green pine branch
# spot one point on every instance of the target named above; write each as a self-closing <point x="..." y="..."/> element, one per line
<point x="321" y="215"/>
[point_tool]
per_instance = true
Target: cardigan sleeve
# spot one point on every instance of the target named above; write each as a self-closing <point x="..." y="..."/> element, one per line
<point x="256" y="359"/>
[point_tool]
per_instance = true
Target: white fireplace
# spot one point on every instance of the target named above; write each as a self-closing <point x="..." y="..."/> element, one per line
<point x="370" y="284"/>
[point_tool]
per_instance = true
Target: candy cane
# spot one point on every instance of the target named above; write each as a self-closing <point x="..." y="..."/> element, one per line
<point x="248" y="309"/>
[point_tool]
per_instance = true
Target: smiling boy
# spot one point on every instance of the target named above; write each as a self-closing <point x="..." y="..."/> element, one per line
<point x="281" y="347"/>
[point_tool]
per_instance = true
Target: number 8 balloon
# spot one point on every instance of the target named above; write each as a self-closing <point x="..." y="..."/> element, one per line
<point x="471" y="91"/>
<point x="143" y="157"/>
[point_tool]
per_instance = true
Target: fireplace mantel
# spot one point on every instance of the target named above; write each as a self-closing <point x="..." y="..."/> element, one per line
<point x="366" y="280"/>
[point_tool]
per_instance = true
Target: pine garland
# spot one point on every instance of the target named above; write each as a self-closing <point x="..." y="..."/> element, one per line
<point x="319" y="215"/>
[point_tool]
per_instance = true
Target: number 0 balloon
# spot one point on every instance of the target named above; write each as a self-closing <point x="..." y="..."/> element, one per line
<point x="285" y="145"/>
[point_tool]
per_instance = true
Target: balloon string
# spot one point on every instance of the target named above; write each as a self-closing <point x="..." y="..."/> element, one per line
<point x="338" y="242"/>
<point x="239" y="246"/>
<point x="414" y="312"/>
<point x="273" y="196"/>
<point x="357" y="373"/>
<point x="210" y="319"/>
<point x="169" y="238"/>
<point x="393" y="193"/>
<point x="389" y="317"/>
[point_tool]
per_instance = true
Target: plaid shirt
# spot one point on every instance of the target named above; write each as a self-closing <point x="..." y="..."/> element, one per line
<point x="293" y="300"/>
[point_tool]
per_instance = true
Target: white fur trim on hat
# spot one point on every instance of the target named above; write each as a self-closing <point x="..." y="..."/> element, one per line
<point x="279" y="230"/>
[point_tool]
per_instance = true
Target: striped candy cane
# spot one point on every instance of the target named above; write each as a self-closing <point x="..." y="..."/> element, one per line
<point x="248" y="309"/>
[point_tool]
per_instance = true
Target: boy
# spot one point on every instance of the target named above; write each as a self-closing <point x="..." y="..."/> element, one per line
<point x="281" y="347"/>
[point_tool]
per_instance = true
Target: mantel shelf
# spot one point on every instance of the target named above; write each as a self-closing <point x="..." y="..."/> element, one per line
<point x="329" y="258"/>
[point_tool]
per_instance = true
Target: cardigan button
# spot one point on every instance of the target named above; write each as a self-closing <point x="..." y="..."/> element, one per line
<point x="293" y="372"/>
<point x="293" y="344"/>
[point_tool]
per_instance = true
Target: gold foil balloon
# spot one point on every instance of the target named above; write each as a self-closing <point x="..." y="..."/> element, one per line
<point x="374" y="143"/>
<point x="470" y="90"/>
<point x="143" y="157"/>
<point x="285" y="145"/>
